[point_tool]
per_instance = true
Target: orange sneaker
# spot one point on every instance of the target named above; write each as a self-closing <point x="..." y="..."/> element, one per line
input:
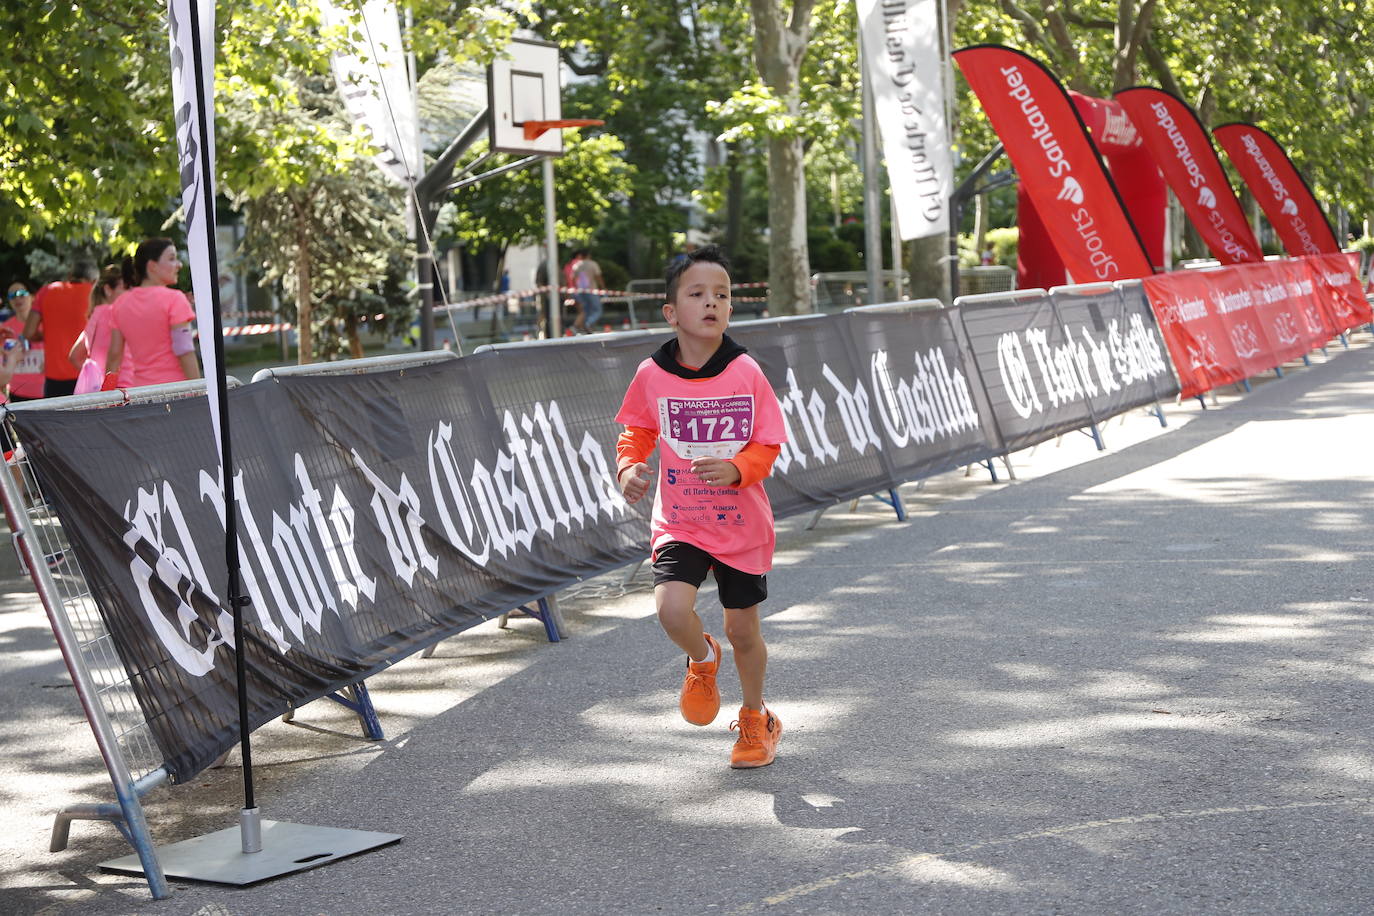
<point x="700" y="700"/>
<point x="759" y="734"/>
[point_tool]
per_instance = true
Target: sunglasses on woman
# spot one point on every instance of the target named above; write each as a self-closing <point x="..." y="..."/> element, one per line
<point x="19" y="294"/>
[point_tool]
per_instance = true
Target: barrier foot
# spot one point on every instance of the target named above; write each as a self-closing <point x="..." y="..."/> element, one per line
<point x="1094" y="434"/>
<point x="127" y="817"/>
<point x="1245" y="383"/>
<point x="62" y="822"/>
<point x="546" y="611"/>
<point x="1278" y="372"/>
<point x="1011" y="471"/>
<point x="552" y="609"/>
<point x="815" y="518"/>
<point x="992" y="469"/>
<point x="1159" y="415"/>
<point x="356" y="698"/>
<point x="1306" y="360"/>
<point x="429" y="650"/>
<point x="894" y="500"/>
<point x="1344" y="342"/>
<point x="634" y="571"/>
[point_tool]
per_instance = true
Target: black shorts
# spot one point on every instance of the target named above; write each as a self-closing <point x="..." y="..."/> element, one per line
<point x="679" y="562"/>
<point x="58" y="387"/>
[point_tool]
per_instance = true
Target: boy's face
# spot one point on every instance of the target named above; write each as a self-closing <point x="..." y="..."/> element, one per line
<point x="701" y="306"/>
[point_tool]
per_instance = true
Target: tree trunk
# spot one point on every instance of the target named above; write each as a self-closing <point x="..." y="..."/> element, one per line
<point x="980" y="223"/>
<point x="734" y="199"/>
<point x="636" y="246"/>
<point x="778" y="51"/>
<point x="1252" y="210"/>
<point x="789" y="269"/>
<point x="305" y="352"/>
<point x="929" y="267"/>
<point x="355" y="342"/>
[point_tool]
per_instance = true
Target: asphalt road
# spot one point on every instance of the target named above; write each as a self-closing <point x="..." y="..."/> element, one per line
<point x="1130" y="682"/>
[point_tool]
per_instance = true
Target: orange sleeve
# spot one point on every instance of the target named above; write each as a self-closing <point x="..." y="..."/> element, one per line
<point x="634" y="446"/>
<point x="755" y="462"/>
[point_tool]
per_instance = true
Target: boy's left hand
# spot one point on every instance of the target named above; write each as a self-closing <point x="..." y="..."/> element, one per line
<point x="716" y="471"/>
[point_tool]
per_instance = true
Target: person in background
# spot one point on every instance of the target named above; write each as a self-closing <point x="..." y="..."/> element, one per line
<point x="570" y="268"/>
<point x="988" y="258"/>
<point x="570" y="283"/>
<point x="27" y="381"/>
<point x="58" y="318"/>
<point x="587" y="279"/>
<point x="11" y="352"/>
<point x="153" y="321"/>
<point x="92" y="348"/>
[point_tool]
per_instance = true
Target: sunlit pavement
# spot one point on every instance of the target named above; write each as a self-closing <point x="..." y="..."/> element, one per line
<point x="1130" y="681"/>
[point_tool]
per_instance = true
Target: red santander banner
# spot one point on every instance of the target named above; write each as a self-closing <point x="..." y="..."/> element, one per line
<point x="1057" y="163"/>
<point x="1281" y="191"/>
<point x="1199" y="343"/>
<point x="1338" y="284"/>
<point x="1184" y="153"/>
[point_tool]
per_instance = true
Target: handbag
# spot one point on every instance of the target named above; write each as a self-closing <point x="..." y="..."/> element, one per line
<point x="90" y="378"/>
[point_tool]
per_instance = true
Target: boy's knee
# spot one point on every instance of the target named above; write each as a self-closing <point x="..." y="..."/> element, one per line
<point x="742" y="629"/>
<point x="675" y="601"/>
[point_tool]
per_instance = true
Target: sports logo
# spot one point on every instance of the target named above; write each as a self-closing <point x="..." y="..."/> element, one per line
<point x="1207" y="198"/>
<point x="1290" y="206"/>
<point x="1072" y="191"/>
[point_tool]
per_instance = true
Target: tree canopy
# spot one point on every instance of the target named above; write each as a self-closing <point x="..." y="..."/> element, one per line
<point x="694" y="114"/>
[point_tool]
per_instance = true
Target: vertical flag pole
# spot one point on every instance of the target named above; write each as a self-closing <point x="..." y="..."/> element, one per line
<point x="873" y="211"/>
<point x="229" y="856"/>
<point x="250" y="824"/>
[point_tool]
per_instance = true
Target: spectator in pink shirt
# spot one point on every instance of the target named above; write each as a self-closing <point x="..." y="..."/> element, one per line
<point x="93" y="346"/>
<point x="153" y="321"/>
<point x="27" y="381"/>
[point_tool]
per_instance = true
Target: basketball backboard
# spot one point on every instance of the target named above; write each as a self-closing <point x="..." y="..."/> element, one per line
<point x="524" y="87"/>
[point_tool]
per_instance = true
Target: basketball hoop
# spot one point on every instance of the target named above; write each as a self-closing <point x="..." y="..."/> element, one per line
<point x="535" y="129"/>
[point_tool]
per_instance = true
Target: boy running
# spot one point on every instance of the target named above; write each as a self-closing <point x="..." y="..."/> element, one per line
<point x="721" y="429"/>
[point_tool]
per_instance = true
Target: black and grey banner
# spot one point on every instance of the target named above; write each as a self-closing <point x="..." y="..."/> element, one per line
<point x="1051" y="364"/>
<point x="381" y="513"/>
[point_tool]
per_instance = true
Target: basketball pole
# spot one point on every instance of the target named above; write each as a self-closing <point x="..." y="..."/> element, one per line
<point x="554" y="272"/>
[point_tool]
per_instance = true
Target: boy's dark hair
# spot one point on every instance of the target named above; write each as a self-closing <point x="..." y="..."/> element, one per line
<point x="712" y="254"/>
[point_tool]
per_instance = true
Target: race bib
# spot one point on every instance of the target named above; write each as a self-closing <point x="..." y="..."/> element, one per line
<point x="31" y="363"/>
<point x="706" y="427"/>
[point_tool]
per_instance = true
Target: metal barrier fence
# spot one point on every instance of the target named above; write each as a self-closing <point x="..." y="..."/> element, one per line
<point x="989" y="278"/>
<point x="645" y="297"/>
<point x="125" y="742"/>
<point x="121" y="731"/>
<point x="546" y="609"/>
<point x="834" y="292"/>
<point x="102" y="685"/>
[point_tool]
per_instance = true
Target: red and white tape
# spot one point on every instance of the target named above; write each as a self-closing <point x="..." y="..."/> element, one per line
<point x="248" y="330"/>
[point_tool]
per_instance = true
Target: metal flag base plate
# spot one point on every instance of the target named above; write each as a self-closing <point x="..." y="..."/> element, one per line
<point x="219" y="857"/>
